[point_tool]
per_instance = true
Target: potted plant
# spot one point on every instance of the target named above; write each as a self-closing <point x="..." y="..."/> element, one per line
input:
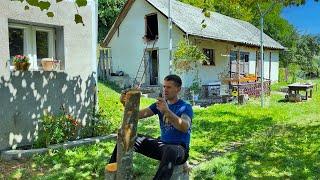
<point x="195" y="88"/>
<point x="21" y="62"/>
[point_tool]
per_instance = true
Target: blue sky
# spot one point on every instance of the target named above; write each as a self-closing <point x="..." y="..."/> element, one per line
<point x="306" y="18"/>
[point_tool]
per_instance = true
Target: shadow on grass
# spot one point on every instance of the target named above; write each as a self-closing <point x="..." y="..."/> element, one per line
<point x="282" y="152"/>
<point x="279" y="152"/>
<point x="223" y="128"/>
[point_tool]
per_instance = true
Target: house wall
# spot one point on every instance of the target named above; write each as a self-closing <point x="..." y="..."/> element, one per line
<point x="274" y="75"/>
<point x="25" y="96"/>
<point x="127" y="49"/>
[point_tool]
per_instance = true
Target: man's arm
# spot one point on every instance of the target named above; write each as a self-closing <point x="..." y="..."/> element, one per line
<point x="181" y="123"/>
<point x="144" y="113"/>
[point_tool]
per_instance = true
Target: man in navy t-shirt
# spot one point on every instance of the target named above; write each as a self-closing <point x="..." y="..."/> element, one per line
<point x="175" y="117"/>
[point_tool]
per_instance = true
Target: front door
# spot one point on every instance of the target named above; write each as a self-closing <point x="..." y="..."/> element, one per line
<point x="153" y="67"/>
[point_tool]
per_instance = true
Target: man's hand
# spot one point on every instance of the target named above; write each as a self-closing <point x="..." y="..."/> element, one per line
<point x="162" y="105"/>
<point x="123" y="97"/>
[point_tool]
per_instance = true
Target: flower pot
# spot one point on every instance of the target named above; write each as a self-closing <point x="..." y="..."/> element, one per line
<point x="49" y="64"/>
<point x="22" y="66"/>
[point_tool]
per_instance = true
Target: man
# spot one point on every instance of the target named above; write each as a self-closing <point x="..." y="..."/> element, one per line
<point x="175" y="117"/>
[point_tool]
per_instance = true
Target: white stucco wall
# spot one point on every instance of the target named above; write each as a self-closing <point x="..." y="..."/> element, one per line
<point x="26" y="96"/>
<point x="274" y="75"/>
<point x="127" y="49"/>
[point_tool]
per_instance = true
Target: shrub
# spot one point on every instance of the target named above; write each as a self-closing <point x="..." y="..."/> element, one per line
<point x="56" y="129"/>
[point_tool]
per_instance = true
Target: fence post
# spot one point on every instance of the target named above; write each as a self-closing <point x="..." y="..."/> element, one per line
<point x="100" y="64"/>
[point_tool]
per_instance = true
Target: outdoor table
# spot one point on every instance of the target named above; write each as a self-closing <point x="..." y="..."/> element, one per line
<point x="295" y="88"/>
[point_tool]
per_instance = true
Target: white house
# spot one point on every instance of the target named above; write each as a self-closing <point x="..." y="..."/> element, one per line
<point x="143" y="26"/>
<point x="25" y="96"/>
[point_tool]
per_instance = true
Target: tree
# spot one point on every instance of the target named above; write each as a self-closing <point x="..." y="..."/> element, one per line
<point x="108" y="12"/>
<point x="307" y="49"/>
<point x="187" y="58"/>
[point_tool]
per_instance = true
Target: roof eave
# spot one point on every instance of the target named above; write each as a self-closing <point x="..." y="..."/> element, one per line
<point x="235" y="42"/>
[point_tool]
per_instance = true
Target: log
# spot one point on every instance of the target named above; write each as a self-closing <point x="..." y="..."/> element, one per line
<point x="127" y="135"/>
<point x="110" y="171"/>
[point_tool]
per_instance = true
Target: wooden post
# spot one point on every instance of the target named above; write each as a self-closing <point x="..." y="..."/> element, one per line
<point x="107" y="63"/>
<point x="100" y="72"/>
<point x="127" y="135"/>
<point x="270" y="66"/>
<point x="105" y="59"/>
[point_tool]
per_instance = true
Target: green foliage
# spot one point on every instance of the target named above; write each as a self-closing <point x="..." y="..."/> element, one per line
<point x="20" y="59"/>
<point x="56" y="129"/>
<point x="305" y="53"/>
<point x="81" y="3"/>
<point x="307" y="49"/>
<point x="45" y="5"/>
<point x="108" y="11"/>
<point x="78" y="19"/>
<point x="85" y="162"/>
<point x="293" y="72"/>
<point x="196" y="86"/>
<point x="187" y="57"/>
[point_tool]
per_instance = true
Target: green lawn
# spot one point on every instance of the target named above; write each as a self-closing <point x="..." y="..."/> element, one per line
<point x="280" y="141"/>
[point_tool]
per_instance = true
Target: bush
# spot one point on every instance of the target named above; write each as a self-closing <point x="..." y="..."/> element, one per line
<point x="56" y="129"/>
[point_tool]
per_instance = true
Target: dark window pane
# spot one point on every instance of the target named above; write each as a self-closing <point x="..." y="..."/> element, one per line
<point x="152" y="27"/>
<point x="15" y="41"/>
<point x="233" y="56"/>
<point x="42" y="44"/>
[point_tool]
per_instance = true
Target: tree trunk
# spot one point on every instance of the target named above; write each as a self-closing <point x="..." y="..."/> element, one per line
<point x="127" y="135"/>
<point x="286" y="74"/>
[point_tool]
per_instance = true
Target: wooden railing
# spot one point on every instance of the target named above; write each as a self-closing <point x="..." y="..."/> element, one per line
<point x="253" y="89"/>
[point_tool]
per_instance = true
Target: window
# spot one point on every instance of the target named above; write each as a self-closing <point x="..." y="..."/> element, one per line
<point x="152" y="27"/>
<point x="211" y="57"/>
<point x="244" y="56"/>
<point x="16" y="41"/>
<point x="34" y="41"/>
<point x="233" y="56"/>
<point x="243" y="65"/>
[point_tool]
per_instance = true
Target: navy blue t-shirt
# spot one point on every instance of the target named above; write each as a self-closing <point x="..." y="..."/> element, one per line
<point x="170" y="134"/>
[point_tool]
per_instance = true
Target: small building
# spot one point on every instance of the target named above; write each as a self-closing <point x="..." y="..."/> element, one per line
<point x="25" y="96"/>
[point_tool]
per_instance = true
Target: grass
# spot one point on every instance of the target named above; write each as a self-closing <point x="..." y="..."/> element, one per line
<point x="280" y="141"/>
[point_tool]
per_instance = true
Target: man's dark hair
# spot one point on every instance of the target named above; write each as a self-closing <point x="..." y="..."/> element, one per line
<point x="175" y="78"/>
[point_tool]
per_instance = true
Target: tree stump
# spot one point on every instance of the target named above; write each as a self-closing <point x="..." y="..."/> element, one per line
<point x="127" y="135"/>
<point x="111" y="171"/>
